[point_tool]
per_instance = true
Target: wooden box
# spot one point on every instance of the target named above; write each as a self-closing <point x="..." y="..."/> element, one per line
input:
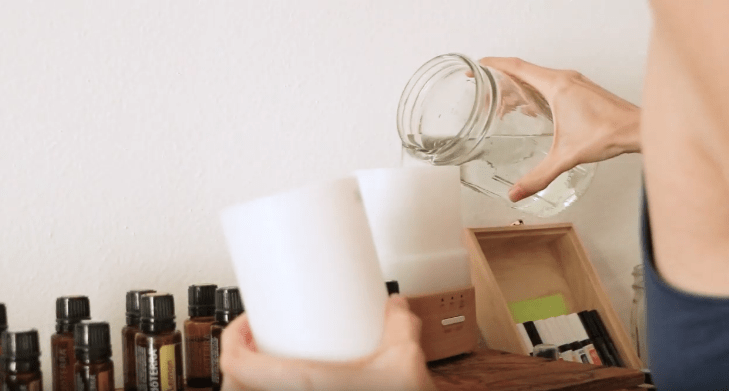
<point x="525" y="262"/>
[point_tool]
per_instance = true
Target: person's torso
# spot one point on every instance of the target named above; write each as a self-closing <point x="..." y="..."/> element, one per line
<point x="688" y="334"/>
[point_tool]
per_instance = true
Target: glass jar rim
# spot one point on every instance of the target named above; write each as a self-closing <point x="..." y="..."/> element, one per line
<point x="421" y="80"/>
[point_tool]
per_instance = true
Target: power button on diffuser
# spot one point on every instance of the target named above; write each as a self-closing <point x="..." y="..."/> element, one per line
<point x="453" y="320"/>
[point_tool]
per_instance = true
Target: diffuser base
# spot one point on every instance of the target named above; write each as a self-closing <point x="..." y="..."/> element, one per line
<point x="448" y="322"/>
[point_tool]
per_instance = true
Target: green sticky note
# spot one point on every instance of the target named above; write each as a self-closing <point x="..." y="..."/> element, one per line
<point x="536" y="309"/>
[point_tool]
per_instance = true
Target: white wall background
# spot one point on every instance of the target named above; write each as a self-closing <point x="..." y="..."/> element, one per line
<point x="126" y="127"/>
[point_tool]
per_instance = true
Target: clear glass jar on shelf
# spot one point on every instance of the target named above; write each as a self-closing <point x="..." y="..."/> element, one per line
<point x="495" y="127"/>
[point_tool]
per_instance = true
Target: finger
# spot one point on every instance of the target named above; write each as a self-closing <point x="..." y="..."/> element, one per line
<point x="245" y="368"/>
<point x="259" y="371"/>
<point x="229" y="384"/>
<point x="238" y="332"/>
<point x="538" y="178"/>
<point x="541" y="78"/>
<point x="236" y="349"/>
<point x="401" y="325"/>
<point x="396" y="302"/>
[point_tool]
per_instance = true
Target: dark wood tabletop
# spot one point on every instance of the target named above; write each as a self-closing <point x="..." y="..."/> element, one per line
<point x="499" y="371"/>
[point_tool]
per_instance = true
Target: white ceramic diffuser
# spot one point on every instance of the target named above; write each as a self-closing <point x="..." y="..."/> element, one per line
<point x="415" y="217"/>
<point x="308" y="272"/>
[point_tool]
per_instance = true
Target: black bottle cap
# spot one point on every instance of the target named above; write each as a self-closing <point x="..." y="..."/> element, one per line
<point x="201" y="300"/>
<point x="72" y="309"/>
<point x="392" y="287"/>
<point x="20" y="345"/>
<point x="157" y="313"/>
<point x="133" y="299"/>
<point x="157" y="306"/>
<point x="551" y="353"/>
<point x="3" y="318"/>
<point x="92" y="340"/>
<point x="228" y="304"/>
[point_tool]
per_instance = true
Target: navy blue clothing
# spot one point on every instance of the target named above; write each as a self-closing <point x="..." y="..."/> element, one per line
<point x="688" y="334"/>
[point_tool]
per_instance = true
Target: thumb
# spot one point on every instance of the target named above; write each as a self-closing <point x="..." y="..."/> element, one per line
<point x="538" y="178"/>
<point x="401" y="325"/>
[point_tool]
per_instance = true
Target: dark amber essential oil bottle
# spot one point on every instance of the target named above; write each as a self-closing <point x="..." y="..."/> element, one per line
<point x="3" y="322"/>
<point x="158" y="345"/>
<point x="21" y="362"/>
<point x="94" y="368"/>
<point x="228" y="306"/>
<point x="69" y="311"/>
<point x="129" y="354"/>
<point x="201" y="308"/>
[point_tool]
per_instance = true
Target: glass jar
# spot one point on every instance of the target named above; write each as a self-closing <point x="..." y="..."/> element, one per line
<point x="637" y="316"/>
<point x="495" y="127"/>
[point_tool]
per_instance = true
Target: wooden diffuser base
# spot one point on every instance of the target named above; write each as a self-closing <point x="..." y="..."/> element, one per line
<point x="449" y="325"/>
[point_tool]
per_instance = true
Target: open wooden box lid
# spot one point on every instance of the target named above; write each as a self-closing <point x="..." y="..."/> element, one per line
<point x="510" y="264"/>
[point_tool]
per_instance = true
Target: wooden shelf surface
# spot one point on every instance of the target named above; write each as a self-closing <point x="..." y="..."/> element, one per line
<point x="500" y="371"/>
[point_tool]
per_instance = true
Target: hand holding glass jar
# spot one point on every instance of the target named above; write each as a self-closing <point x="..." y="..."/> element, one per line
<point x="591" y="124"/>
<point x="518" y="131"/>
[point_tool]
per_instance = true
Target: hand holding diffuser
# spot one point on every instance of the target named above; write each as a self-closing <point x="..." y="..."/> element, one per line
<point x="397" y="364"/>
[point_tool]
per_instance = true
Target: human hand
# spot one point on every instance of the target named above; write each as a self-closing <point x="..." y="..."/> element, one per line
<point x="398" y="363"/>
<point x="590" y="123"/>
